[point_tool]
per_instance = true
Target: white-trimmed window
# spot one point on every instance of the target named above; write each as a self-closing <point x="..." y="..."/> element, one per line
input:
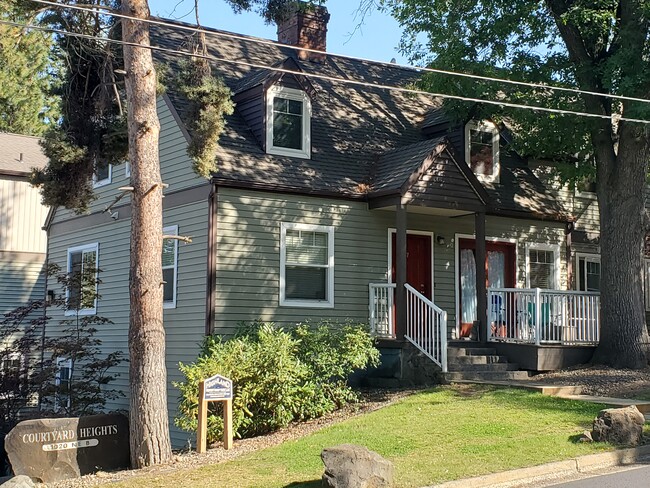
<point x="81" y="293"/>
<point x="588" y="275"/>
<point x="103" y="175"/>
<point x="127" y="169"/>
<point x="170" y="266"/>
<point x="288" y="122"/>
<point x="306" y="265"/>
<point x="63" y="383"/>
<point x="543" y="266"/>
<point x="482" y="149"/>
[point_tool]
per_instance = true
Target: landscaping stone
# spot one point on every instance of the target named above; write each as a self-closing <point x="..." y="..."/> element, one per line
<point x="51" y="450"/>
<point x="622" y="426"/>
<point x="353" y="466"/>
<point x="20" y="481"/>
<point x="586" y="437"/>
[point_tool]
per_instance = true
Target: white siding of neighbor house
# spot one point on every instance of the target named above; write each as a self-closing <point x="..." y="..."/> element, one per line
<point x="21" y="216"/>
<point x="22" y="280"/>
<point x="248" y="254"/>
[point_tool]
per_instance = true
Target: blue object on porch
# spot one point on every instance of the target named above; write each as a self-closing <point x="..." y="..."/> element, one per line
<point x="497" y="308"/>
<point x="546" y="313"/>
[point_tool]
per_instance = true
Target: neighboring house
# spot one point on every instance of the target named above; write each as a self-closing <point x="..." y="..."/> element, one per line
<point x="22" y="238"/>
<point x="328" y="200"/>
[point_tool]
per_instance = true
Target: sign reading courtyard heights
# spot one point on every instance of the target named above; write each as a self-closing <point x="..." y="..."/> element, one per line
<point x="52" y="450"/>
<point x="216" y="388"/>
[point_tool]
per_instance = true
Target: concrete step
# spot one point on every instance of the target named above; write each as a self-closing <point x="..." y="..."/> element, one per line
<point x="483" y="367"/>
<point x="470" y="351"/>
<point x="486" y="375"/>
<point x="477" y="359"/>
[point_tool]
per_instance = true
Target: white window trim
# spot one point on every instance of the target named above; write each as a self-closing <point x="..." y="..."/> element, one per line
<point x="329" y="302"/>
<point x="127" y="169"/>
<point x="485" y="126"/>
<point x="291" y="94"/>
<point x="172" y="230"/>
<point x="588" y="257"/>
<point x="57" y="381"/>
<point x="555" y="249"/>
<point x="106" y="181"/>
<point x="72" y="250"/>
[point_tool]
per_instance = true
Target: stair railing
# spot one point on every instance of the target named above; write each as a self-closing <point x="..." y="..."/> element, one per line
<point x="426" y="326"/>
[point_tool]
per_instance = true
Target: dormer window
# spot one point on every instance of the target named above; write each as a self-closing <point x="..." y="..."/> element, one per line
<point x="482" y="150"/>
<point x="288" y="114"/>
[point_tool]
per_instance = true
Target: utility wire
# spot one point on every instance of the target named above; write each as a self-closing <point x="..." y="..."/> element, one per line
<point x="325" y="77"/>
<point x="230" y="35"/>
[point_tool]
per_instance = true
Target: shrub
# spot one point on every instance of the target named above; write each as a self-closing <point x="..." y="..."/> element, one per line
<point x="278" y="375"/>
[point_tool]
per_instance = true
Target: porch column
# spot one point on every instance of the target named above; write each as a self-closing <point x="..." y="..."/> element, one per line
<point x="400" y="270"/>
<point x="481" y="288"/>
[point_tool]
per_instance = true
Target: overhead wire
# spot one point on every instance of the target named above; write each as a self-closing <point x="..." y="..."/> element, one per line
<point x="333" y="79"/>
<point x="231" y="35"/>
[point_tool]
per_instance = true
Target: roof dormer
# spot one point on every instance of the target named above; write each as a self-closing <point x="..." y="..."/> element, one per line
<point x="288" y="122"/>
<point x="482" y="150"/>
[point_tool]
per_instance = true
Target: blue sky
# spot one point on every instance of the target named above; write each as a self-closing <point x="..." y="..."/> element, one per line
<point x="376" y="39"/>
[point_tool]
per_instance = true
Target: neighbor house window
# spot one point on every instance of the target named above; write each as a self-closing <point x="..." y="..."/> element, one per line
<point x="288" y="113"/>
<point x="543" y="264"/>
<point x="63" y="383"/>
<point x="588" y="277"/>
<point x="81" y="292"/>
<point x="127" y="169"/>
<point x="102" y="175"/>
<point x="170" y="267"/>
<point x="307" y="265"/>
<point x="482" y="150"/>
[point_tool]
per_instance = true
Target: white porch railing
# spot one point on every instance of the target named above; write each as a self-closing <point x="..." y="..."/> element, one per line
<point x="426" y="326"/>
<point x="382" y="314"/>
<point x="536" y="316"/>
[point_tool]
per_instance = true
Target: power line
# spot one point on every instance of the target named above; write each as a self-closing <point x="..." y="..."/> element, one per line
<point x="325" y="77"/>
<point x="231" y="35"/>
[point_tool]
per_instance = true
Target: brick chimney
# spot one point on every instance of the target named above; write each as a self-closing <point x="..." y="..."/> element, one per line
<point x="305" y="26"/>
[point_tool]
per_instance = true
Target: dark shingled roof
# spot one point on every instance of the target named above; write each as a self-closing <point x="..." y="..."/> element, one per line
<point x="12" y="146"/>
<point x="360" y="135"/>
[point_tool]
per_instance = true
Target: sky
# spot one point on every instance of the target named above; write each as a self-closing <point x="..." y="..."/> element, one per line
<point x="376" y="39"/>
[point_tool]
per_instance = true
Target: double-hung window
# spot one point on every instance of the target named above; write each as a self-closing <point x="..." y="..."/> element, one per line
<point x="63" y="383"/>
<point x="103" y="175"/>
<point x="288" y="124"/>
<point x="306" y="265"/>
<point x="588" y="277"/>
<point x="81" y="291"/>
<point x="543" y="266"/>
<point x="170" y="267"/>
<point x="482" y="150"/>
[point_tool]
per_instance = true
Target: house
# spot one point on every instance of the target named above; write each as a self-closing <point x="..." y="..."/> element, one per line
<point x="22" y="238"/>
<point x="344" y="202"/>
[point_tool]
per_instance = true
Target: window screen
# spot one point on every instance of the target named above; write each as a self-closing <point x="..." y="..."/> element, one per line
<point x="541" y="269"/>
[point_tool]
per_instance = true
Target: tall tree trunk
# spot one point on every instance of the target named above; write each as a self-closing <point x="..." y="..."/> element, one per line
<point x="621" y="200"/>
<point x="149" y="423"/>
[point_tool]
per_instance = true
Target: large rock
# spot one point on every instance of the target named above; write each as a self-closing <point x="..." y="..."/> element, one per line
<point x="51" y="450"/>
<point x="352" y="466"/>
<point x="20" y="481"/>
<point x="619" y="426"/>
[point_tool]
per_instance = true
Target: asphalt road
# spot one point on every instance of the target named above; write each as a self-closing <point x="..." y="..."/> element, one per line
<point x="630" y="478"/>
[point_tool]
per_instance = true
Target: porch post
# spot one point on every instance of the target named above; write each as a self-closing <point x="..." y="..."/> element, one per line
<point x="481" y="288"/>
<point x="400" y="270"/>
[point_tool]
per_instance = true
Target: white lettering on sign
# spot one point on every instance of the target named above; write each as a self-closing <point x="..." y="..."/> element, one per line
<point x="217" y="387"/>
<point x="62" y="446"/>
<point x="61" y="436"/>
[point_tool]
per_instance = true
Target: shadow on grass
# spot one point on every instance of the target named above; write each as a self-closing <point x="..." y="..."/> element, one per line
<point x="305" y="484"/>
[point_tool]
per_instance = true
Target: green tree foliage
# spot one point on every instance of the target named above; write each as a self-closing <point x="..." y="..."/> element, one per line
<point x="91" y="131"/>
<point x="278" y="375"/>
<point x="599" y="46"/>
<point x="26" y="69"/>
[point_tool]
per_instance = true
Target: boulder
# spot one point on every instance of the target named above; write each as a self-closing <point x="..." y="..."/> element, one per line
<point x="619" y="426"/>
<point x="51" y="450"/>
<point x="353" y="466"/>
<point x="20" y="481"/>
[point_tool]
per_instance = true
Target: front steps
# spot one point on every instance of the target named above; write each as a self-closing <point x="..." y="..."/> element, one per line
<point x="475" y="363"/>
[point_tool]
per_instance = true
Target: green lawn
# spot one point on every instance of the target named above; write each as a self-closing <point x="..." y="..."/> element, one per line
<point x="442" y="434"/>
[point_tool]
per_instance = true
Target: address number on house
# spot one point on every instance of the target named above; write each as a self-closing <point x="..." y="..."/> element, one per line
<point x="62" y="446"/>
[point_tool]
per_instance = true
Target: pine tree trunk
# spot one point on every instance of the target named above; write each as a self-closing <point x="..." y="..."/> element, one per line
<point x="621" y="199"/>
<point x="149" y="423"/>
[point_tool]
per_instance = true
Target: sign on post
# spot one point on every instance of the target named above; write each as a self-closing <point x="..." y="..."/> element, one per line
<point x="217" y="388"/>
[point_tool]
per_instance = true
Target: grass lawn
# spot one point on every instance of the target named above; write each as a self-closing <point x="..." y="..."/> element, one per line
<point x="442" y="434"/>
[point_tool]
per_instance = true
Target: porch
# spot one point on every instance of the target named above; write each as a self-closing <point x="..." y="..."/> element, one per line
<point x="539" y="329"/>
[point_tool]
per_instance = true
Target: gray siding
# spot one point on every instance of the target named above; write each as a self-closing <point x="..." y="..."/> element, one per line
<point x="248" y="254"/>
<point x="22" y="280"/>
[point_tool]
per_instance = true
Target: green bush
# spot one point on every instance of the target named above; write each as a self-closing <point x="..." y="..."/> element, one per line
<point x="278" y="375"/>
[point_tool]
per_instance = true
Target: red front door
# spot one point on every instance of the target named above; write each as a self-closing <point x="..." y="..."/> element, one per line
<point x="418" y="263"/>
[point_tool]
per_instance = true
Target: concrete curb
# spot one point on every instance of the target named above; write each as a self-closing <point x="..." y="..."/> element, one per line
<point x="577" y="465"/>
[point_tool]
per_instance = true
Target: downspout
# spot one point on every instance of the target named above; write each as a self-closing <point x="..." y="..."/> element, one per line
<point x="211" y="288"/>
<point x="45" y="305"/>
<point x="569" y="261"/>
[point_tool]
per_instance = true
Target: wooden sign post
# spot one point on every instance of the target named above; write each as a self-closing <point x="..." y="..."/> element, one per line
<point x="214" y="389"/>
